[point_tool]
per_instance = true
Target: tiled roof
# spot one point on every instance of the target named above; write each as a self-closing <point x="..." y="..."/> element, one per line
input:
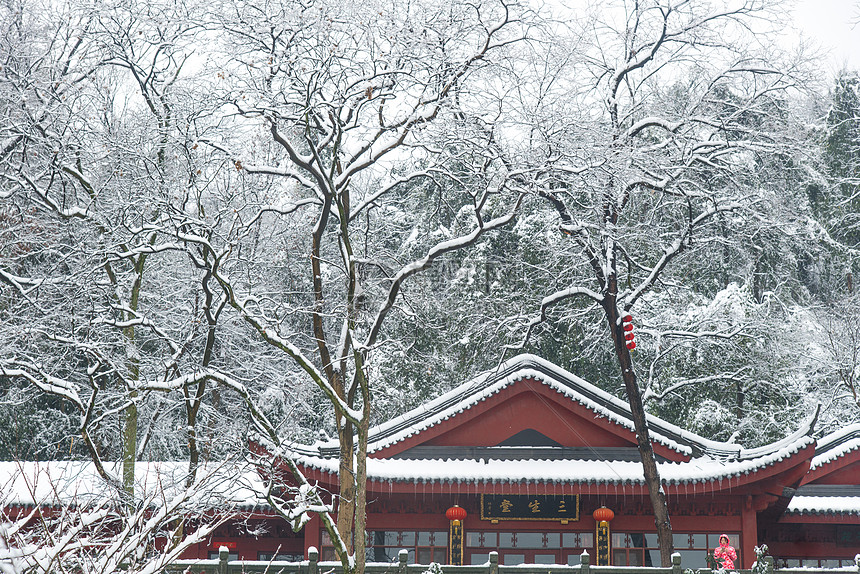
<point x="698" y="470"/>
<point x="603" y="404"/>
<point x="829" y="499"/>
<point x="836" y="445"/>
<point x="818" y="505"/>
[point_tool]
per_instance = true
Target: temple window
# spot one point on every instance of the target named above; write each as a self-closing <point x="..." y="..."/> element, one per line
<point x="384" y="546"/>
<point x="641" y="548"/>
<point x="525" y="547"/>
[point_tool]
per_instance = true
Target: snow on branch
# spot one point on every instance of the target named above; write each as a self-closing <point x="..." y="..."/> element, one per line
<point x="650" y="394"/>
<point x="704" y="334"/>
<point x="274" y="339"/>
<point x="820" y="233"/>
<point x="652" y="122"/>
<point x="75" y="525"/>
<point x="278" y="171"/>
<point x="45" y="198"/>
<point x="426" y="261"/>
<point x="25" y="286"/>
<point x="671" y="251"/>
<point x="34" y="374"/>
<point x="551" y="300"/>
<point x="369" y="200"/>
<point x="146" y="249"/>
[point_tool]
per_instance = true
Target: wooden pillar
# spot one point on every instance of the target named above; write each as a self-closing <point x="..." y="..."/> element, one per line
<point x="602" y="536"/>
<point x="456" y="516"/>
<point x="603" y="543"/>
<point x="311" y="532"/>
<point x="749" y="532"/>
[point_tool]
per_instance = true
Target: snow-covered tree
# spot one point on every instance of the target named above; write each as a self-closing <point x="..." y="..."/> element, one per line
<point x="358" y="114"/>
<point x="227" y="210"/>
<point x="310" y="215"/>
<point x="61" y="516"/>
<point x="668" y="109"/>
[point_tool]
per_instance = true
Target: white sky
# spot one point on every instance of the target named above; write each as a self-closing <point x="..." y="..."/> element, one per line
<point x="834" y="25"/>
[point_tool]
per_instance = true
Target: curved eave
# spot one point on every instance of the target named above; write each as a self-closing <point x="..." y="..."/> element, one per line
<point x="485" y="386"/>
<point x="834" y="452"/>
<point x="407" y="429"/>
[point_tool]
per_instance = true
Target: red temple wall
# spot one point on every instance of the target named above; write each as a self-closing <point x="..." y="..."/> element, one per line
<point x="527" y="409"/>
<point x="847" y="475"/>
<point x="833" y="540"/>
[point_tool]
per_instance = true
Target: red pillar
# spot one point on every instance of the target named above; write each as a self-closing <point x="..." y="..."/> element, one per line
<point x="749" y="532"/>
<point x="311" y="531"/>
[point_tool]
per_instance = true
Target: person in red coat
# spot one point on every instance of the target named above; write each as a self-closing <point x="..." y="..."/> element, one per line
<point x="725" y="554"/>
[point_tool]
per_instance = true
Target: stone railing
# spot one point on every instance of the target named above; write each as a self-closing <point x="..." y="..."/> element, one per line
<point x="314" y="566"/>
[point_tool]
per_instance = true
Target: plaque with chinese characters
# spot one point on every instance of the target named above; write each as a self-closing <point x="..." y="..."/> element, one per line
<point x="524" y="507"/>
<point x="603" y="547"/>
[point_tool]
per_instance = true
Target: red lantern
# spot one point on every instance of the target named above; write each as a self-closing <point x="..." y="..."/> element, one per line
<point x="627" y="321"/>
<point x="603" y="514"/>
<point x="455" y="513"/>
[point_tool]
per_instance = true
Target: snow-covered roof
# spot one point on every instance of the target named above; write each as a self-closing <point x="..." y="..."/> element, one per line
<point x="835" y="445"/>
<point x="603" y="404"/>
<point x="697" y="470"/>
<point x="816" y="505"/>
<point x="829" y="499"/>
<point x="60" y="483"/>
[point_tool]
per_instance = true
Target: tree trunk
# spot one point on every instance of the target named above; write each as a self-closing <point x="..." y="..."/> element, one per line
<point x="129" y="448"/>
<point x="643" y="437"/>
<point x="130" y="424"/>
<point x="739" y="401"/>
<point x="361" y="499"/>
<point x="346" y="479"/>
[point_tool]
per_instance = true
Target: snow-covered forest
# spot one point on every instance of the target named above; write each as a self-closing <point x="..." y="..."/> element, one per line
<point x="288" y="219"/>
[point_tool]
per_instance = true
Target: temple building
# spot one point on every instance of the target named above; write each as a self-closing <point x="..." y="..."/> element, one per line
<point x="530" y="459"/>
<point x="534" y="463"/>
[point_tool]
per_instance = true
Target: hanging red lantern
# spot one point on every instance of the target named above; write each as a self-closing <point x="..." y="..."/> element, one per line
<point x="603" y="514"/>
<point x="627" y="325"/>
<point x="455" y="514"/>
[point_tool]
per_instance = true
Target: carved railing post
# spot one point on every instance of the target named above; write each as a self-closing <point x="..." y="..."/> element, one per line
<point x="676" y="563"/>
<point x="313" y="560"/>
<point x="223" y="557"/>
